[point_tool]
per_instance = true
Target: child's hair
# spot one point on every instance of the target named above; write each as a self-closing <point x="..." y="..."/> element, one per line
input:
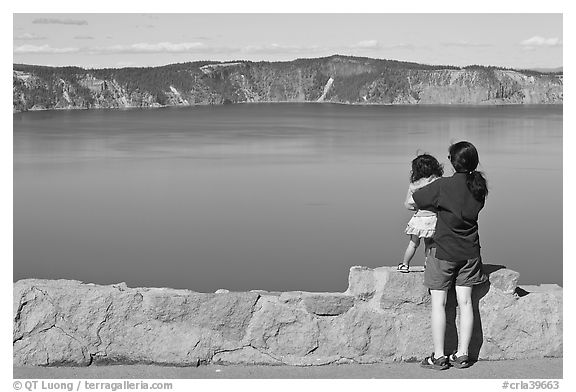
<point x="425" y="165"/>
<point x="464" y="158"/>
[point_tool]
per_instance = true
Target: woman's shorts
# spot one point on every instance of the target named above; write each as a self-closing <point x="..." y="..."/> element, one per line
<point x="442" y="274"/>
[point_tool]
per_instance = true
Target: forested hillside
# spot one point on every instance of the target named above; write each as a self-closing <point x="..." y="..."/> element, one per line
<point x="338" y="79"/>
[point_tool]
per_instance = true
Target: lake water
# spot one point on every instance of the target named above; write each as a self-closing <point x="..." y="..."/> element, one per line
<point x="269" y="196"/>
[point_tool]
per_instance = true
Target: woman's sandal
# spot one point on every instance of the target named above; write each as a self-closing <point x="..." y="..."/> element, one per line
<point x="405" y="268"/>
<point x="460" y="362"/>
<point x="435" y="363"/>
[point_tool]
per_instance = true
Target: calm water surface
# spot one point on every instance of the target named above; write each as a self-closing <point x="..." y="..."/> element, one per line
<point x="268" y="196"/>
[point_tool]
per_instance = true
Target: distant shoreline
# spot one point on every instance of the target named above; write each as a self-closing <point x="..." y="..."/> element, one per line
<point x="293" y="102"/>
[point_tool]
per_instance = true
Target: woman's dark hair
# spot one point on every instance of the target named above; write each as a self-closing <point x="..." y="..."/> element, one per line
<point x="425" y="165"/>
<point x="464" y="158"/>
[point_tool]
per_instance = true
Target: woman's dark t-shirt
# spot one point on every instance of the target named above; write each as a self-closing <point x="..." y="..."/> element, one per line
<point x="456" y="235"/>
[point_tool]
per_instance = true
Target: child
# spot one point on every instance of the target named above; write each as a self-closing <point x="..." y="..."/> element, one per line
<point x="425" y="170"/>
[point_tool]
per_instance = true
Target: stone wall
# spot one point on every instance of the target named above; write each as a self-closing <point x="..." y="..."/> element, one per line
<point x="383" y="316"/>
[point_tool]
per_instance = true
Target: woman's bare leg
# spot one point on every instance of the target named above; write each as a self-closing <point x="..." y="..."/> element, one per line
<point x="438" y="321"/>
<point x="464" y="298"/>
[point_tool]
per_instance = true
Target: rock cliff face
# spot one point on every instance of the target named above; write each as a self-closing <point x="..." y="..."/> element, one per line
<point x="382" y="317"/>
<point x="337" y="79"/>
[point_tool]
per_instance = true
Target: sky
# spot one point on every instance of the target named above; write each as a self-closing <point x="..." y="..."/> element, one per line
<point x="99" y="40"/>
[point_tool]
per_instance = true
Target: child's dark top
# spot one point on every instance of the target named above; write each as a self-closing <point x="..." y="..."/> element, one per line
<point x="456" y="234"/>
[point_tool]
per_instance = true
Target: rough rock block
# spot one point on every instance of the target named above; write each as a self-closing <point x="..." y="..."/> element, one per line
<point x="328" y="304"/>
<point x="228" y="313"/>
<point x="361" y="334"/>
<point x="291" y="297"/>
<point x="542" y="288"/>
<point x="361" y="282"/>
<point x="515" y="328"/>
<point x="281" y="329"/>
<point x="403" y="289"/>
<point x="505" y="280"/>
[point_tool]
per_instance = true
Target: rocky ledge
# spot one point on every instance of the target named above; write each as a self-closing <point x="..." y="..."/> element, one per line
<point x="382" y="317"/>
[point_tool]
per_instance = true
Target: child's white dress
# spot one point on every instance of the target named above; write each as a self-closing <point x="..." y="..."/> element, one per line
<point x="423" y="222"/>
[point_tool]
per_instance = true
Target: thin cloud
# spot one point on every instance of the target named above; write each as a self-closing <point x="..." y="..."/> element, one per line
<point x="367" y="44"/>
<point x="278" y="48"/>
<point x="43" y="49"/>
<point x="541" y="41"/>
<point x="374" y="44"/>
<point x="401" y="46"/>
<point x="161" y="47"/>
<point x="202" y="48"/>
<point x="77" y="22"/>
<point x="138" y="48"/>
<point x="29" y="37"/>
<point x="83" y="37"/>
<point x="466" y="44"/>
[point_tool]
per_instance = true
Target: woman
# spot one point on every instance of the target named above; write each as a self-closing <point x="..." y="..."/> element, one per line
<point x="457" y="200"/>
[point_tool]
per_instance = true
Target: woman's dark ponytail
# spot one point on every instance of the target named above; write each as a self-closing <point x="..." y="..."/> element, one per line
<point x="464" y="158"/>
<point x="477" y="185"/>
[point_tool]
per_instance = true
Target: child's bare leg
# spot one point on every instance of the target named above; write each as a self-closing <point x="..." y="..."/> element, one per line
<point x="428" y="242"/>
<point x="411" y="249"/>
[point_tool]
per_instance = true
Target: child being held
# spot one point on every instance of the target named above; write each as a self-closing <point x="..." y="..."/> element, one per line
<point x="425" y="170"/>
